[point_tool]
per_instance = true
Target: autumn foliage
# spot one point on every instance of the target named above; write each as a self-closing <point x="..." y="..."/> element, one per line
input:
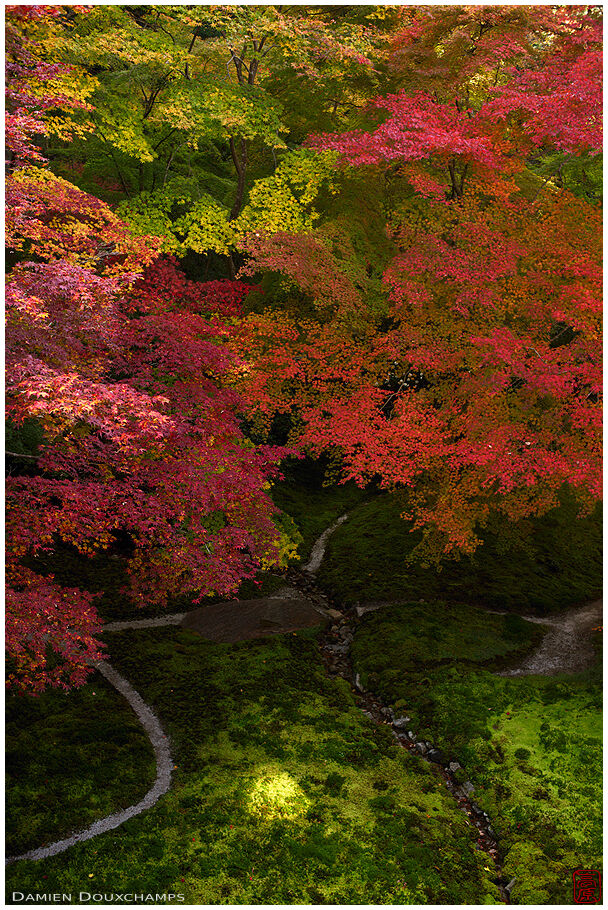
<point x="409" y="194"/>
<point x="121" y="367"/>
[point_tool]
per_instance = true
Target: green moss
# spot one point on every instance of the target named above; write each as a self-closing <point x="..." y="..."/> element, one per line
<point x="275" y="797"/>
<point x="554" y="561"/>
<point x="312" y="506"/>
<point x="530" y="745"/>
<point x="71" y="758"/>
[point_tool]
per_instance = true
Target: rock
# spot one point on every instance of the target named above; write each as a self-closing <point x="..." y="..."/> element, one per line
<point x="454" y="766"/>
<point x="362" y="609"/>
<point x="358" y="683"/>
<point x="411" y="734"/>
<point x="421" y="747"/>
<point x="468" y="787"/>
<point x="491" y="832"/>
<point x="510" y="886"/>
<point x="335" y="614"/>
<point x="338" y="648"/>
<point x="401" y="722"/>
<point x="242" y="620"/>
<point x="437" y="756"/>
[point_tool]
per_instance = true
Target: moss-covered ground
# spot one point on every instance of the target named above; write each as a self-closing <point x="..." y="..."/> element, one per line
<point x="530" y="745"/>
<point x="284" y="793"/>
<point x="551" y="563"/>
<point x="71" y="758"/>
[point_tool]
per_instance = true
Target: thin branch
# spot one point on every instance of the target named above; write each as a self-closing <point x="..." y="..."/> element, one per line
<point x="118" y="171"/>
<point x="160" y="142"/>
<point x="165" y="31"/>
<point x="21" y="455"/>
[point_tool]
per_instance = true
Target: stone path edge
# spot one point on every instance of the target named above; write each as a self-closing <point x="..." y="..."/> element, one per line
<point x="162" y="753"/>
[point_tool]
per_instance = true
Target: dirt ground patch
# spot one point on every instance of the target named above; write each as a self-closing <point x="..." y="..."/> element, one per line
<point x="241" y="620"/>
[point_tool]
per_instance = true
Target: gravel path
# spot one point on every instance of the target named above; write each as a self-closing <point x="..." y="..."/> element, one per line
<point x="318" y="551"/>
<point x="567" y="646"/>
<point x="160" y="744"/>
<point x="173" y="619"/>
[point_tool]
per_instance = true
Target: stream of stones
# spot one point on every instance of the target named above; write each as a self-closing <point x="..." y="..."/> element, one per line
<point x="335" y="643"/>
<point x="554" y="655"/>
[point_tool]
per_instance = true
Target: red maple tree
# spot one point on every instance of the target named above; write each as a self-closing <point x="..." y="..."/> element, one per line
<point x="480" y="389"/>
<point x="122" y="371"/>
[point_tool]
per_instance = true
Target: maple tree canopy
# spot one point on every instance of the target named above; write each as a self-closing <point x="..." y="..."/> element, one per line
<point x="236" y="233"/>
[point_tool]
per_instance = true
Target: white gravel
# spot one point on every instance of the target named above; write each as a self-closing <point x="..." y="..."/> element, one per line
<point x="160" y="744"/>
<point x="318" y="551"/>
<point x="566" y="648"/>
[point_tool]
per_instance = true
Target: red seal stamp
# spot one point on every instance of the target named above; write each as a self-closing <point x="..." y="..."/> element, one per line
<point x="587" y="886"/>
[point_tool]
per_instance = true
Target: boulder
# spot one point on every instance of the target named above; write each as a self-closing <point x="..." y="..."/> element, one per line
<point x="241" y="620"/>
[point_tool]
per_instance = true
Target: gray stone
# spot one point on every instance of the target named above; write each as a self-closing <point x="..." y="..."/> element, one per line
<point x="454" y="766"/>
<point x="358" y="683"/>
<point x="335" y="614"/>
<point x="437" y="756"/>
<point x="338" y="648"/>
<point x="511" y="884"/>
<point x="401" y="721"/>
<point x="468" y="787"/>
<point x="411" y="734"/>
<point x="421" y="747"/>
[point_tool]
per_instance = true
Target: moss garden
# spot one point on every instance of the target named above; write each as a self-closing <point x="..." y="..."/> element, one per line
<point x="283" y="791"/>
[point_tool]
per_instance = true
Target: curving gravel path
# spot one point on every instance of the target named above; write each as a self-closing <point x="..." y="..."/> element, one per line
<point x="318" y="551"/>
<point x="149" y="720"/>
<point x="567" y="646"/>
<point x="160" y="744"/>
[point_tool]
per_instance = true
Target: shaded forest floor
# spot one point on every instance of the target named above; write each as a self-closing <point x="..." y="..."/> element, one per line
<point x="283" y="791"/>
